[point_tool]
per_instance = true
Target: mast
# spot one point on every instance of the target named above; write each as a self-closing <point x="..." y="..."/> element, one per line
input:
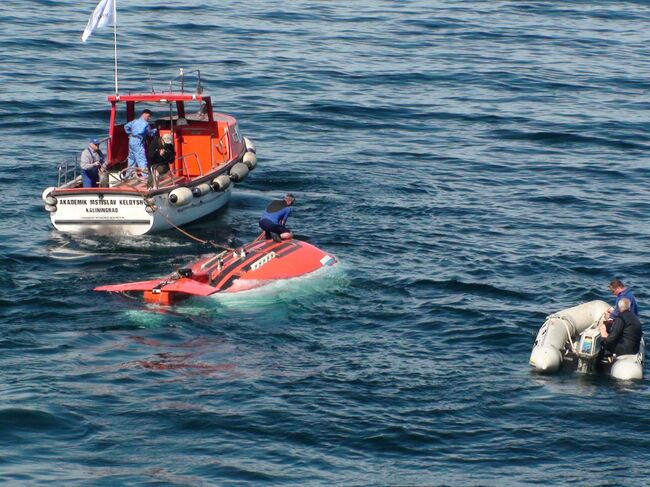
<point x="115" y="41"/>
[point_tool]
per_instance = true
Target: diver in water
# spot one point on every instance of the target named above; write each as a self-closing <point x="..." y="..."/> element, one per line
<point x="274" y="219"/>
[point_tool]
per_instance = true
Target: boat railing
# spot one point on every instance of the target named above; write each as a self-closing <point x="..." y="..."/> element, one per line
<point x="179" y="82"/>
<point x="223" y="149"/>
<point x="67" y="171"/>
<point x="180" y="79"/>
<point x="183" y="169"/>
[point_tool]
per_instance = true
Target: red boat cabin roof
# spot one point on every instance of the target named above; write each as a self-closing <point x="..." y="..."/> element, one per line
<point x="157" y="97"/>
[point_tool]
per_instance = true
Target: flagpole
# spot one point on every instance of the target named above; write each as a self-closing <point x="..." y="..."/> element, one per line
<point x="115" y="41"/>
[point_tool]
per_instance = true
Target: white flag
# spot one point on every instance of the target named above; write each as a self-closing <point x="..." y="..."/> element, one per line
<point x="102" y="16"/>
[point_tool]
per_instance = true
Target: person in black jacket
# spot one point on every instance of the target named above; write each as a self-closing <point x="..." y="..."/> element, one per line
<point x="161" y="155"/>
<point x="624" y="336"/>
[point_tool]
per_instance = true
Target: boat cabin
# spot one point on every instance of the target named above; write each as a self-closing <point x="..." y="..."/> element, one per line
<point x="203" y="140"/>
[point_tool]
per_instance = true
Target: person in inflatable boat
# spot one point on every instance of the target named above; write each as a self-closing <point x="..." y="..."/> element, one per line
<point x="274" y="219"/>
<point x="619" y="290"/>
<point x="624" y="335"/>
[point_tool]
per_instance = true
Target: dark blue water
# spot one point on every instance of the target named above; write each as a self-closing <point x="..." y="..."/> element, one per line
<point x="474" y="165"/>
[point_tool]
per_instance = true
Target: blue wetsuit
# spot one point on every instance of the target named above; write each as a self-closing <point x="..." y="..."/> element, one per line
<point x="625" y="293"/>
<point x="138" y="131"/>
<point x="274" y="218"/>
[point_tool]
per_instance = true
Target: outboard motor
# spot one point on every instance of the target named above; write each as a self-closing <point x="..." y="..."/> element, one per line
<point x="588" y="350"/>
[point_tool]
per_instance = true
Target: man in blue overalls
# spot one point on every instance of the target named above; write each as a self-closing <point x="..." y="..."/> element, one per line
<point x="138" y="131"/>
<point x="274" y="219"/>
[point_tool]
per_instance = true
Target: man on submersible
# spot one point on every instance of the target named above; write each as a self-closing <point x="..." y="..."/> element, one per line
<point x="274" y="219"/>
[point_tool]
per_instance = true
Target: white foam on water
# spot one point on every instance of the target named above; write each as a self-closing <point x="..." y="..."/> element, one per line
<point x="271" y="293"/>
<point x="145" y="318"/>
<point x="73" y="247"/>
<point x="322" y="280"/>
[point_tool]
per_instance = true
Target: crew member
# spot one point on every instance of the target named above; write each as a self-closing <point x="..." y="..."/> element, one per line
<point x="161" y="155"/>
<point x="274" y="219"/>
<point x="617" y="288"/>
<point x="624" y="336"/>
<point x="91" y="160"/>
<point x="138" y="131"/>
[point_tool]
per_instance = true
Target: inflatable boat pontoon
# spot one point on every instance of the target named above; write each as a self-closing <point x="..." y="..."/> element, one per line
<point x="570" y="339"/>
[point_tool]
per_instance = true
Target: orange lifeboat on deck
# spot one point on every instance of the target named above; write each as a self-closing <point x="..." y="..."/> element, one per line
<point x="248" y="267"/>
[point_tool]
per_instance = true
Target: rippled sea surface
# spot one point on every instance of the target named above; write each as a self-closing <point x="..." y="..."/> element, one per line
<point x="474" y="165"/>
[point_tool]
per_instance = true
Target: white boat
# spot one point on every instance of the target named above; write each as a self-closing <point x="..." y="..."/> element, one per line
<point x="570" y="339"/>
<point x="211" y="155"/>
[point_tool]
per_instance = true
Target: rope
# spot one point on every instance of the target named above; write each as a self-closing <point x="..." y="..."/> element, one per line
<point x="573" y="349"/>
<point x="186" y="233"/>
<point x="564" y="321"/>
<point x="194" y="237"/>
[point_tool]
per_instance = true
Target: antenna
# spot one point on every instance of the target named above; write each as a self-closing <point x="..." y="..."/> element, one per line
<point x="199" y="86"/>
<point x="182" y="75"/>
<point x="115" y="43"/>
<point x="150" y="80"/>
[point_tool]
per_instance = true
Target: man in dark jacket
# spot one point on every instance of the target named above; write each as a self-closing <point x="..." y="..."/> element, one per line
<point x="161" y="155"/>
<point x="624" y="336"/>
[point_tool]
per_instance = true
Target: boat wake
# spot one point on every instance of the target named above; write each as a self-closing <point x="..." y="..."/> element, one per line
<point x="268" y="293"/>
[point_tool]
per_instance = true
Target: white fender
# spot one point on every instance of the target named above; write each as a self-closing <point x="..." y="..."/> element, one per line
<point x="238" y="172"/>
<point x="201" y="190"/>
<point x="558" y="329"/>
<point x="250" y="159"/>
<point x="180" y="196"/>
<point x="629" y="367"/>
<point x="47" y="198"/>
<point x="250" y="147"/>
<point x="221" y="183"/>
<point x="50" y="208"/>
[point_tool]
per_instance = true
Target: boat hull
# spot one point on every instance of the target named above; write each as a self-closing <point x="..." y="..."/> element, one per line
<point x="117" y="214"/>
<point x="547" y="353"/>
<point x="554" y="350"/>
<point x="248" y="267"/>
